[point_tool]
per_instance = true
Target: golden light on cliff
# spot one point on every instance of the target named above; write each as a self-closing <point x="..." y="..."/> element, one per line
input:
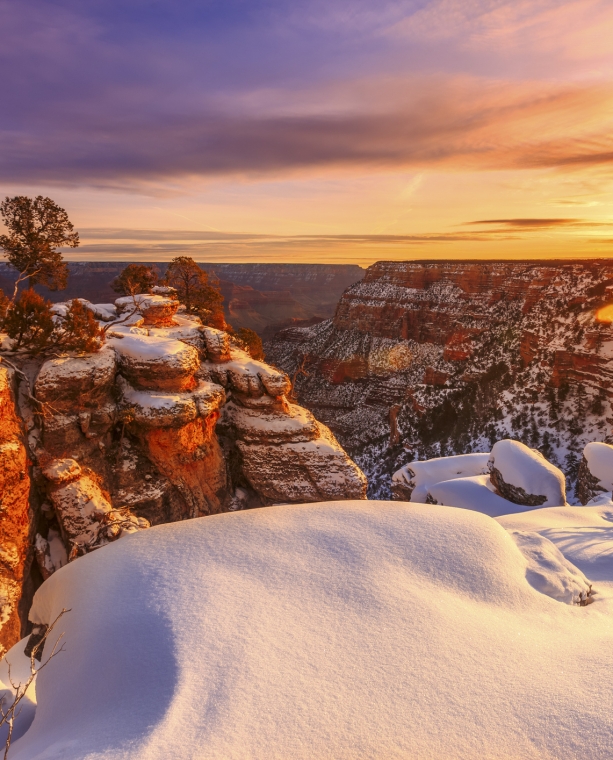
<point x="605" y="314"/>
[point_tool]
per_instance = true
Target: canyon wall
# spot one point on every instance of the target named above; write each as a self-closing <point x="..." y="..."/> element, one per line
<point x="431" y="358"/>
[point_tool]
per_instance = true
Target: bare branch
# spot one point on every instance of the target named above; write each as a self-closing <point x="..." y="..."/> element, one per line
<point x="42" y="407"/>
<point x="7" y="717"/>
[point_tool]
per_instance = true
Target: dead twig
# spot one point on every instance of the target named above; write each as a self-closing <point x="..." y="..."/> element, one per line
<point x="43" y="408"/>
<point x="7" y="716"/>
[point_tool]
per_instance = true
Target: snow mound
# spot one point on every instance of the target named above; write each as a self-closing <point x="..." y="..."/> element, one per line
<point x="523" y="476"/>
<point x="548" y="570"/>
<point x="344" y="629"/>
<point x="471" y="493"/>
<point x="584" y="535"/>
<point x="414" y="479"/>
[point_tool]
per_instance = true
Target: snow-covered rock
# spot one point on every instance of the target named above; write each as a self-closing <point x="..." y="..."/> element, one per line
<point x="67" y="380"/>
<point x="412" y="482"/>
<point x="474" y="492"/>
<point x="595" y="471"/>
<point x="217" y="344"/>
<point x="85" y="514"/>
<point x="315" y="470"/>
<point x="151" y="409"/>
<point x="149" y="361"/>
<point x="348" y="630"/>
<point x="292" y="423"/>
<point x="248" y="377"/>
<point x="523" y="476"/>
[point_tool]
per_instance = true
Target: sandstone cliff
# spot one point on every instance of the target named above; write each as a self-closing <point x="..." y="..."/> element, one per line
<point x="431" y="358"/>
<point x="15" y="514"/>
<point x="168" y="421"/>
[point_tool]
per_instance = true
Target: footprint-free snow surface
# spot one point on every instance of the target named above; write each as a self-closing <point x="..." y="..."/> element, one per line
<point x="337" y="630"/>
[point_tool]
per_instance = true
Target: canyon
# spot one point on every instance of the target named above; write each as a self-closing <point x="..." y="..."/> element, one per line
<point x="262" y="297"/>
<point x="425" y="359"/>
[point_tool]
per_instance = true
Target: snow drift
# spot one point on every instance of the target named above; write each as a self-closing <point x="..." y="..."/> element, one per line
<point x="343" y="629"/>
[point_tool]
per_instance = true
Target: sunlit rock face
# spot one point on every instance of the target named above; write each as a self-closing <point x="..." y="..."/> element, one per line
<point x="433" y="358"/>
<point x="16" y="530"/>
<point x="168" y="421"/>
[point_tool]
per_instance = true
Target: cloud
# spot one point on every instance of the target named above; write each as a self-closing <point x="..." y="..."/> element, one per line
<point x="148" y="96"/>
<point x="457" y="124"/>
<point x="532" y="223"/>
<point x="536" y="224"/>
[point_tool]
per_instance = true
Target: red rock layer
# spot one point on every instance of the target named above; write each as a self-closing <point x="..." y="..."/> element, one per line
<point x="14" y="514"/>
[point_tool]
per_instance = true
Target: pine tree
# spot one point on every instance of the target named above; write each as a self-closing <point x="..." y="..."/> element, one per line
<point x="200" y="296"/>
<point x="135" y="279"/>
<point x="248" y="340"/>
<point x="37" y="227"/>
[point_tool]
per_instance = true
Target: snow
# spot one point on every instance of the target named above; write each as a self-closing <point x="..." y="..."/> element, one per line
<point x="548" y="570"/>
<point x="599" y="458"/>
<point x="144" y="301"/>
<point x="19" y="674"/>
<point x="528" y="469"/>
<point x="147" y="348"/>
<point x="163" y="408"/>
<point x="421" y="475"/>
<point x="475" y="492"/>
<point x="584" y="535"/>
<point x="343" y="629"/>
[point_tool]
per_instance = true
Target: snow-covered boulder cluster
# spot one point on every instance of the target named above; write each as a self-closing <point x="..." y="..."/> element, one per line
<point x="129" y="436"/>
<point x="511" y="478"/>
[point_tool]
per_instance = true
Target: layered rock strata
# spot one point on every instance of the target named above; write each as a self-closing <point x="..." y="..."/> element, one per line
<point x="424" y="359"/>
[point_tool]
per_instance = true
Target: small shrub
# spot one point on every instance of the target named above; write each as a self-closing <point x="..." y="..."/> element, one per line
<point x="29" y="322"/>
<point x="79" y="330"/>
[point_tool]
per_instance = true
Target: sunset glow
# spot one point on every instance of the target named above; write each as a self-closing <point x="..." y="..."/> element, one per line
<point x="605" y="314"/>
<point x="332" y="132"/>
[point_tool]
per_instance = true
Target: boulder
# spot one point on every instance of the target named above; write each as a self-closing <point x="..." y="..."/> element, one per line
<point x="595" y="472"/>
<point x="85" y="514"/>
<point x="156" y="363"/>
<point x="249" y="377"/>
<point x="316" y="470"/>
<point x="217" y="344"/>
<point x="156" y="310"/>
<point x="523" y="476"/>
<point x="412" y="482"/>
<point x="155" y="408"/>
<point x="270" y="425"/>
<point x="69" y="382"/>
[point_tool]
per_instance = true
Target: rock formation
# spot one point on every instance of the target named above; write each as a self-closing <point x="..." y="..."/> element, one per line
<point x="424" y="359"/>
<point x="15" y="515"/>
<point x="595" y="472"/>
<point x="510" y="476"/>
<point x="169" y="420"/>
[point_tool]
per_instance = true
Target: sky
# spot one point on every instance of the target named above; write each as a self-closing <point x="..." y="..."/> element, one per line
<point x="334" y="131"/>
